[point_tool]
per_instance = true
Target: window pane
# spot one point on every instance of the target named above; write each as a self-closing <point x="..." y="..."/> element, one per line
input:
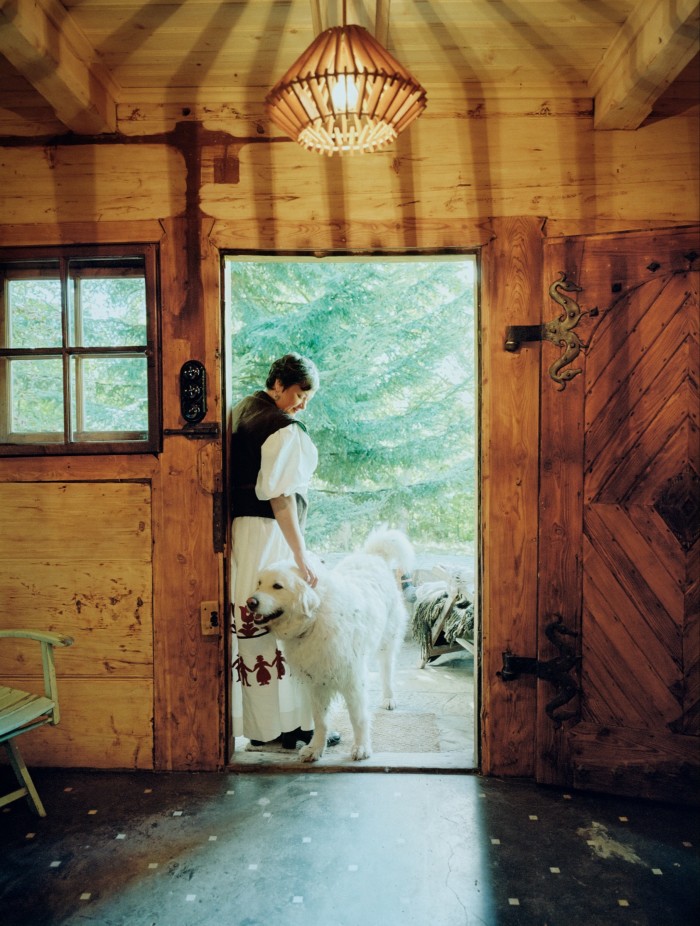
<point x="78" y="331"/>
<point x="36" y="389"/>
<point x="110" y="394"/>
<point x="34" y="313"/>
<point x="111" y="312"/>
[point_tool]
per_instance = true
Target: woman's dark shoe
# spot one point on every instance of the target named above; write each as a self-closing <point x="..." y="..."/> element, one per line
<point x="264" y="742"/>
<point x="332" y="739"/>
<point x="290" y="740"/>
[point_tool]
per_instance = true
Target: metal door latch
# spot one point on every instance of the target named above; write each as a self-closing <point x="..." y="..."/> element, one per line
<point x="556" y="671"/>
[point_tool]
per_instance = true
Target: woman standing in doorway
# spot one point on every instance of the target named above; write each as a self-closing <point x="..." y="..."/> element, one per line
<point x="272" y="462"/>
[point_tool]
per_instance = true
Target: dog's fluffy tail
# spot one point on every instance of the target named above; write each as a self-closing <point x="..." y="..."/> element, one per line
<point x="393" y="546"/>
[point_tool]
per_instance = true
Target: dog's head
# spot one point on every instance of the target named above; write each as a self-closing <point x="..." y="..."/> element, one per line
<point x="283" y="601"/>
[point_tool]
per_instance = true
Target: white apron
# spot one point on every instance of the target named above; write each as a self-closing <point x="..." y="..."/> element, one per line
<point x="266" y="699"/>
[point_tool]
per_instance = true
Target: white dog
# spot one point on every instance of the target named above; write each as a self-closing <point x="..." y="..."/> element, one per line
<point x="331" y="631"/>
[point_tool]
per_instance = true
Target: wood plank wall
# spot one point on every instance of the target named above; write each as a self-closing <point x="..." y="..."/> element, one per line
<point x="455" y="180"/>
<point x="171" y="716"/>
<point x="468" y="160"/>
<point x="96" y="588"/>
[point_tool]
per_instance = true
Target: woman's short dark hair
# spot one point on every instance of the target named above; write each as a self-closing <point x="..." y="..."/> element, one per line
<point x="293" y="370"/>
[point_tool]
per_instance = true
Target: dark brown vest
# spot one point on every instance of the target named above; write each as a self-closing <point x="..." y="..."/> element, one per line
<point x="254" y="419"/>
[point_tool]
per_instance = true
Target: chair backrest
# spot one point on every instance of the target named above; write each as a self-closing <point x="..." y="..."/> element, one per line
<point x="48" y="641"/>
<point x="21" y="711"/>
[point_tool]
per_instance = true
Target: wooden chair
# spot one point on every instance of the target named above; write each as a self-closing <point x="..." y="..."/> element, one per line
<point x="21" y="711"/>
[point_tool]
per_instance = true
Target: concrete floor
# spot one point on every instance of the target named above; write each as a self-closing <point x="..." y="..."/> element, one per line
<point x="421" y="840"/>
<point x="271" y="848"/>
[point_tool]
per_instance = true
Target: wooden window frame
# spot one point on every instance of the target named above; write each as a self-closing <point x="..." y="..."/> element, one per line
<point x="72" y="441"/>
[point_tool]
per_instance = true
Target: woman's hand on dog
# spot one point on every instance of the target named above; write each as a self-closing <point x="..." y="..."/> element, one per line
<point x="306" y="569"/>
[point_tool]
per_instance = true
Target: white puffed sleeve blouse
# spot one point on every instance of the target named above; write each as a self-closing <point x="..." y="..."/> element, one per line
<point x="288" y="461"/>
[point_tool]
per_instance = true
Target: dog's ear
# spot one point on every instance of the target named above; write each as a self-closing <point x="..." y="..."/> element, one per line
<point x="309" y="600"/>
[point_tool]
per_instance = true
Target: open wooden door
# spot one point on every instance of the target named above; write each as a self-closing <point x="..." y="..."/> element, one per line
<point x="619" y="533"/>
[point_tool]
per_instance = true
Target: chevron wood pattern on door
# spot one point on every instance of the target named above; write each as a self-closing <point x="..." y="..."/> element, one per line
<point x="620" y="519"/>
<point x="638" y="621"/>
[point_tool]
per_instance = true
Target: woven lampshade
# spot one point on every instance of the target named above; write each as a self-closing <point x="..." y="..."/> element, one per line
<point x="345" y="93"/>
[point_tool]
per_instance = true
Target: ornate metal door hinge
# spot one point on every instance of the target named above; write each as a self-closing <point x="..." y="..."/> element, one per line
<point x="556" y="671"/>
<point x="559" y="331"/>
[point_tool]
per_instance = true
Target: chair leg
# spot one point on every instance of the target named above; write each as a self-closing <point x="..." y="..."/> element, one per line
<point x="23" y="777"/>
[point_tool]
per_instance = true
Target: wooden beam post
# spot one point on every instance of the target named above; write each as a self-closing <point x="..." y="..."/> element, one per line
<point x="40" y="39"/>
<point x="651" y="49"/>
<point x="512" y="272"/>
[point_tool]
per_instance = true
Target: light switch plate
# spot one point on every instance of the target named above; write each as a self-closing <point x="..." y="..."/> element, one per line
<point x="209" y="616"/>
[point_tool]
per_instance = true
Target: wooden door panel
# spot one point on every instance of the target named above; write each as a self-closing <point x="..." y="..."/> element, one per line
<point x="624" y="334"/>
<point x="641" y="660"/>
<point x="620" y="760"/>
<point x="664" y="543"/>
<point x="663" y="406"/>
<point x="608" y="599"/>
<point x="661" y="441"/>
<point x="620" y="460"/>
<point x="635" y="563"/>
<point x="691" y="648"/>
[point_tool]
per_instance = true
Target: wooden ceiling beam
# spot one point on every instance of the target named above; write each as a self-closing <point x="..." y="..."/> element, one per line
<point x="40" y="39"/>
<point x="657" y="41"/>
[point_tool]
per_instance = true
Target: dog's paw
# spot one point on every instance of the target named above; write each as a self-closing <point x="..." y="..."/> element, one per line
<point x="389" y="704"/>
<point x="310" y="753"/>
<point x="360" y="751"/>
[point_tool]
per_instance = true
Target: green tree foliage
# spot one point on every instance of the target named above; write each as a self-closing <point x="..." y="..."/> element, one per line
<point x="394" y="419"/>
<point x="103" y="311"/>
<point x="112" y="312"/>
<point x="35" y="313"/>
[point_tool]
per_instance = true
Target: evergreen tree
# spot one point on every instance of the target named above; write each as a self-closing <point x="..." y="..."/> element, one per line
<point x="394" y="419"/>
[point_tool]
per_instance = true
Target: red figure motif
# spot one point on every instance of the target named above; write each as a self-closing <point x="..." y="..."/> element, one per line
<point x="247" y="627"/>
<point x="278" y="663"/>
<point x="262" y="676"/>
<point x="246" y="630"/>
<point x="242" y="671"/>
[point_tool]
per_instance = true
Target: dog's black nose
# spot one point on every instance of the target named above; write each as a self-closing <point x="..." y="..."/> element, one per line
<point x="252" y="603"/>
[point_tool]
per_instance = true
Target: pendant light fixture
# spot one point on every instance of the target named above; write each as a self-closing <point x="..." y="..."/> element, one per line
<point x="345" y="94"/>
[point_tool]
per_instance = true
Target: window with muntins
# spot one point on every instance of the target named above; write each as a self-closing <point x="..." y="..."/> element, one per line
<point x="79" y="351"/>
